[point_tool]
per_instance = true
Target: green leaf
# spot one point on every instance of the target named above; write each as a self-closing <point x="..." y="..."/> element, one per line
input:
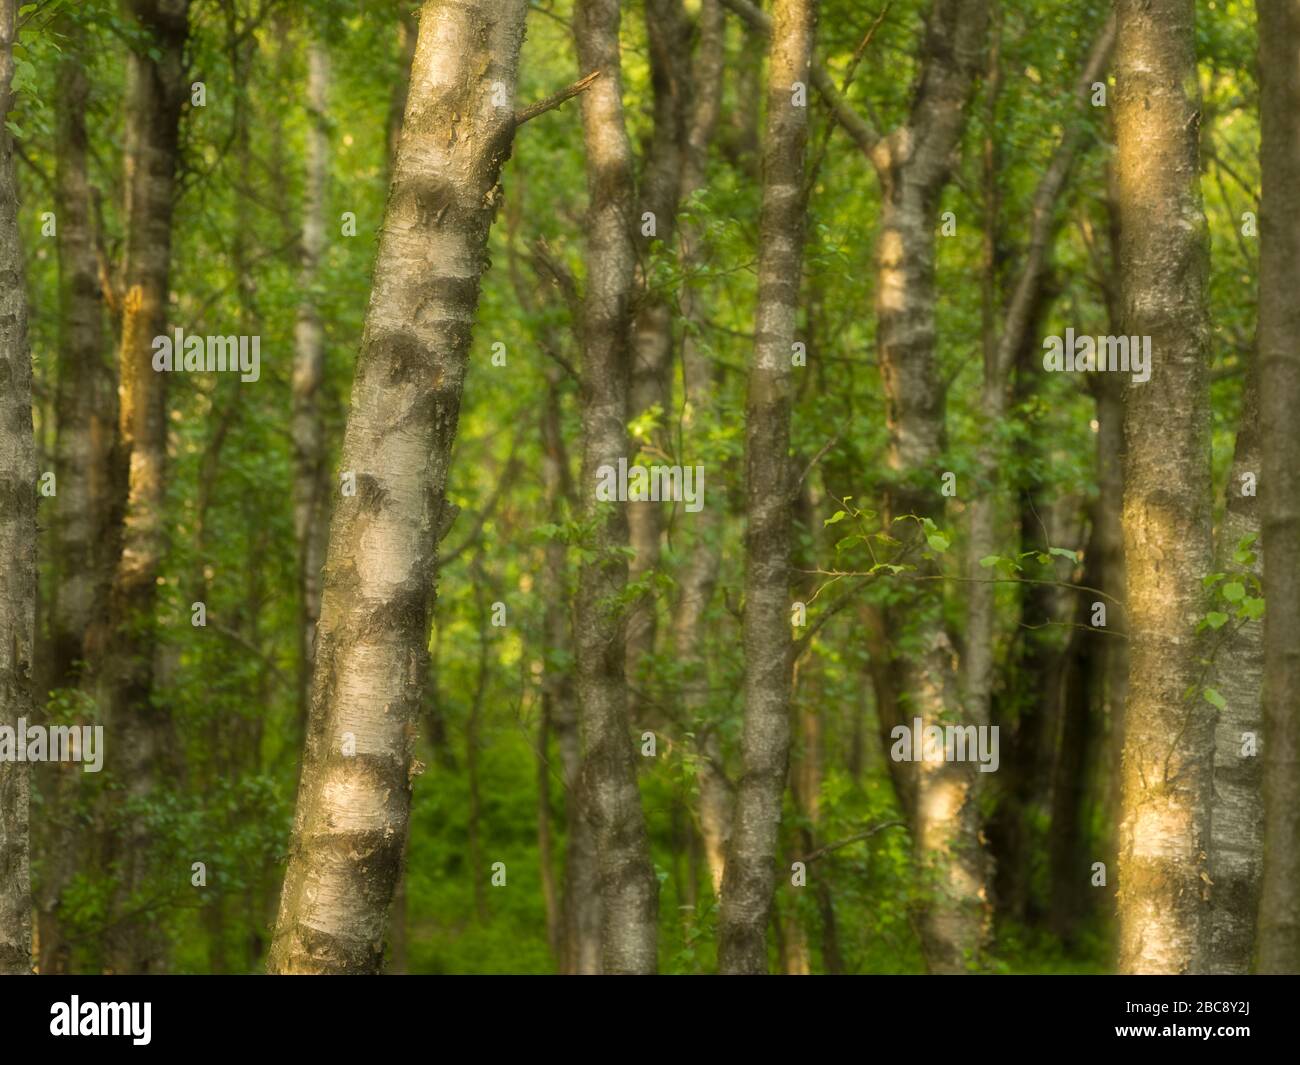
<point x="989" y="560"/>
<point x="838" y="516"/>
<point x="1211" y="579"/>
<point x="1215" y="699"/>
<point x="842" y="544"/>
<point x="1252" y="608"/>
<point x="1216" y="620"/>
<point x="1234" y="591"/>
<point x="1062" y="552"/>
<point x="938" y="542"/>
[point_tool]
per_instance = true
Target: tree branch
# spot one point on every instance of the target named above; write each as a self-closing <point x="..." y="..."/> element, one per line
<point x="555" y="100"/>
<point x="821" y="852"/>
<point x="858" y="128"/>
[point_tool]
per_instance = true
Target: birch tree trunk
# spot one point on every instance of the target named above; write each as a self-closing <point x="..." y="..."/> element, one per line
<point x="914" y="163"/>
<point x="82" y="528"/>
<point x="371" y="655"/>
<point x="86" y="401"/>
<point x="580" y="940"/>
<point x="608" y="788"/>
<point x="155" y="96"/>
<point x="1169" y="741"/>
<point x="750" y="876"/>
<point x="652" y="358"/>
<point x="699" y="578"/>
<point x="1279" y="370"/>
<point x="1237" y="674"/>
<point x="17" y="539"/>
<point x="311" y="477"/>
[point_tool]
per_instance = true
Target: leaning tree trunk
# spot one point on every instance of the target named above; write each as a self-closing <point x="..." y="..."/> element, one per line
<point x="1279" y="370"/>
<point x="155" y="96"/>
<point x="1169" y="739"/>
<point x="608" y="786"/>
<point x="17" y="540"/>
<point x="311" y="480"/>
<point x="749" y="879"/>
<point x="371" y="654"/>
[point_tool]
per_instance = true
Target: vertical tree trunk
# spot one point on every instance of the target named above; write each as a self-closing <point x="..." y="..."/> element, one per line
<point x="311" y="477"/>
<point x="1237" y="673"/>
<point x="750" y="876"/>
<point x="696" y="583"/>
<point x="914" y="163"/>
<point x="652" y="356"/>
<point x="85" y="468"/>
<point x="155" y="96"/>
<point x="17" y="540"/>
<point x="1279" y="370"/>
<point x="86" y="404"/>
<point x="581" y="901"/>
<point x="371" y="656"/>
<point x="608" y="787"/>
<point x="1095" y="676"/>
<point x="1168" y="749"/>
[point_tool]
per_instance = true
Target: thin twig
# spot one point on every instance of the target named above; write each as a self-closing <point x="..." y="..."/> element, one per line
<point x="821" y="852"/>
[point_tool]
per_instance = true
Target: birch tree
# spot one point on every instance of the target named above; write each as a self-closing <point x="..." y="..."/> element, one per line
<point x="608" y="785"/>
<point x="17" y="538"/>
<point x="1168" y="749"/>
<point x="913" y="163"/>
<point x="370" y="663"/>
<point x="697" y="582"/>
<point x="155" y="94"/>
<point x="1237" y="674"/>
<point x="311" y="485"/>
<point x="749" y="878"/>
<point x="86" y="472"/>
<point x="1279" y="390"/>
